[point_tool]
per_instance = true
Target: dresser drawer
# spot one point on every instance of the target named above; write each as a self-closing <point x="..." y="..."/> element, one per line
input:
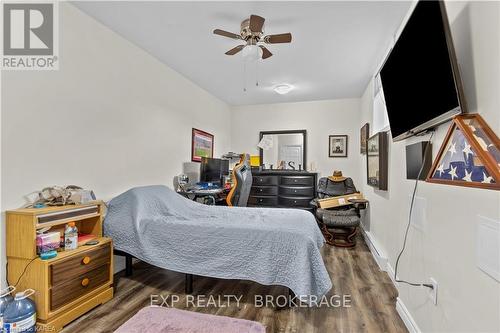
<point x="262" y="201"/>
<point x="77" y="265"/>
<point x="264" y="190"/>
<point x="294" y="202"/>
<point x="265" y="180"/>
<point x="78" y="286"/>
<point x="299" y="191"/>
<point x="297" y="180"/>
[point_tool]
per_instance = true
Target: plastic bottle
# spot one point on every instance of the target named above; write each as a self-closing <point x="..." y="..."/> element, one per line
<point x="5" y="299"/>
<point x="70" y="236"/>
<point x="20" y="314"/>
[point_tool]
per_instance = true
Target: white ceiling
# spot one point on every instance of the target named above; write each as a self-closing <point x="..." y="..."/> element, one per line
<point x="336" y="46"/>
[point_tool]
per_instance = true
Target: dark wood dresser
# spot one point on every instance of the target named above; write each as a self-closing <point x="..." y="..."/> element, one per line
<point x="283" y="189"/>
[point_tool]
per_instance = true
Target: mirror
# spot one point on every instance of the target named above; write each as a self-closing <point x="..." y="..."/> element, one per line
<point x="283" y="150"/>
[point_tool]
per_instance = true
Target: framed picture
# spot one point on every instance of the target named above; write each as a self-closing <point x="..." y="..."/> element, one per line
<point x="377" y="161"/>
<point x="202" y="145"/>
<point x="364" y="134"/>
<point x="337" y="146"/>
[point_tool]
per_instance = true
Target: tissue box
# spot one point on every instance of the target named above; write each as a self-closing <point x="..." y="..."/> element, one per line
<point x="47" y="242"/>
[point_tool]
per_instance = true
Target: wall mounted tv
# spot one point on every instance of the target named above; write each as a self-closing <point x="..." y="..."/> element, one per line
<point x="420" y="78"/>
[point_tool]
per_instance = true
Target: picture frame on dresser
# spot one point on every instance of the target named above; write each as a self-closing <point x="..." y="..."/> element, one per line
<point x="377" y="161"/>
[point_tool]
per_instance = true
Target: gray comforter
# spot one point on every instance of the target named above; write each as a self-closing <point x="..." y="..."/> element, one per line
<point x="266" y="245"/>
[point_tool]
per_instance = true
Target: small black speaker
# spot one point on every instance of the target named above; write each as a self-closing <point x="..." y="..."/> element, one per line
<point x="418" y="154"/>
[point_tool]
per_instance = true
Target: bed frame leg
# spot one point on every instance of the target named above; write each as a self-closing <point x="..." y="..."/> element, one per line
<point x="128" y="265"/>
<point x="189" y="284"/>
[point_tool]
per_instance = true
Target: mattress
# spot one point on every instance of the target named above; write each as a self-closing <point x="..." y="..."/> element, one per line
<point x="270" y="246"/>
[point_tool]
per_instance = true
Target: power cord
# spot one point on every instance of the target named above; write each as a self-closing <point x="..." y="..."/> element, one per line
<point x="428" y="285"/>
<point x="20" y="276"/>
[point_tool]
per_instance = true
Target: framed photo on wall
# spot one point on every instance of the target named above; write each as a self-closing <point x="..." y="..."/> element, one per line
<point x="202" y="145"/>
<point x="337" y="146"/>
<point x="364" y="134"/>
<point x="377" y="161"/>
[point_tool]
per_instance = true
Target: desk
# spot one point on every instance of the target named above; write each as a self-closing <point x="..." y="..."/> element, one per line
<point x="210" y="197"/>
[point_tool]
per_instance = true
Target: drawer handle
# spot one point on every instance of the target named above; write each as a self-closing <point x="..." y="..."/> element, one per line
<point x="295" y="180"/>
<point x="294" y="201"/>
<point x="85" y="282"/>
<point x="261" y="190"/>
<point x="85" y="260"/>
<point x="295" y="191"/>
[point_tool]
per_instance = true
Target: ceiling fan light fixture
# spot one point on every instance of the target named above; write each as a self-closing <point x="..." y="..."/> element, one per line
<point x="282" y="89"/>
<point x="252" y="53"/>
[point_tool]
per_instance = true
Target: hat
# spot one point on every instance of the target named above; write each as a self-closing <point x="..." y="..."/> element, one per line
<point x="337" y="176"/>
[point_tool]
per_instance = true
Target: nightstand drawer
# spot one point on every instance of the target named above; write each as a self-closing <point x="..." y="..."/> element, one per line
<point x="79" y="264"/>
<point x="80" y="285"/>
<point x="262" y="201"/>
<point x="297" y="180"/>
<point x="264" y="190"/>
<point x="264" y="180"/>
<point x="297" y="191"/>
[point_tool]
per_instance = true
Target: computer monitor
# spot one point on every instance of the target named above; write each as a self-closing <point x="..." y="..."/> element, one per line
<point x="213" y="169"/>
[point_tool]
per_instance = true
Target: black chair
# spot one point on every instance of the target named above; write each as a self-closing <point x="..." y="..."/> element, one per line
<point x="339" y="225"/>
<point x="242" y="178"/>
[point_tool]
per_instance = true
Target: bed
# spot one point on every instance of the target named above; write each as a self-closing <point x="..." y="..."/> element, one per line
<point x="270" y="246"/>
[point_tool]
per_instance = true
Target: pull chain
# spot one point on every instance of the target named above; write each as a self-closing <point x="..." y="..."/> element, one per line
<point x="244" y="76"/>
<point x="257" y="73"/>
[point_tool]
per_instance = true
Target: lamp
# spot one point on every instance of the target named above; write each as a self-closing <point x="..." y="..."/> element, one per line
<point x="252" y="53"/>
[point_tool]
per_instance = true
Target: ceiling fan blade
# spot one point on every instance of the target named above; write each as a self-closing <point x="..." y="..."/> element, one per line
<point x="226" y="34"/>
<point x="235" y="50"/>
<point x="256" y="23"/>
<point x="265" y="52"/>
<point x="280" y="38"/>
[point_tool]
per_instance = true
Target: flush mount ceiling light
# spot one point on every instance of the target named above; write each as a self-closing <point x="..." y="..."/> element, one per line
<point x="283" y="89"/>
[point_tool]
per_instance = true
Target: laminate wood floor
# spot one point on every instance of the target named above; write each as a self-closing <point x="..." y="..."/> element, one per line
<point x="353" y="272"/>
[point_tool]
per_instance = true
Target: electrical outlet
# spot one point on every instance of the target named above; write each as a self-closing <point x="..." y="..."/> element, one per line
<point x="433" y="293"/>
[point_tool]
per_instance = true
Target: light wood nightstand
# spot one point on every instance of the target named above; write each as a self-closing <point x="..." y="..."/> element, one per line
<point x="70" y="284"/>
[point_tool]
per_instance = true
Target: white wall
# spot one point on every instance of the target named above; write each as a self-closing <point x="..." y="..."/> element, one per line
<point x="112" y="117"/>
<point x="468" y="299"/>
<point x="319" y="118"/>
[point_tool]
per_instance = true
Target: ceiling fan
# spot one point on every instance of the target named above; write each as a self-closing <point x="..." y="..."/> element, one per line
<point x="252" y="33"/>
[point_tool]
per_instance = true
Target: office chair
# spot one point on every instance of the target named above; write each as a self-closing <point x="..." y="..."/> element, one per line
<point x="339" y="225"/>
<point x="242" y="179"/>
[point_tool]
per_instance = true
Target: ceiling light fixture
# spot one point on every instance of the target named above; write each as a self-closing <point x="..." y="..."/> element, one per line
<point x="252" y="53"/>
<point x="283" y="89"/>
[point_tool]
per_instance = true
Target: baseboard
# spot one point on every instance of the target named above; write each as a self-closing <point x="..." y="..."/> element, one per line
<point x="385" y="266"/>
<point x="405" y="315"/>
<point x="377" y="254"/>
<point x="401" y="308"/>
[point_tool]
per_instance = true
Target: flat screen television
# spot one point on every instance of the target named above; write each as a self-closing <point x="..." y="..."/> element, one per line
<point x="420" y="78"/>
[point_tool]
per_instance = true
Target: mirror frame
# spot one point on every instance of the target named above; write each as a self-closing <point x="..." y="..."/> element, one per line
<point x="304" y="143"/>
